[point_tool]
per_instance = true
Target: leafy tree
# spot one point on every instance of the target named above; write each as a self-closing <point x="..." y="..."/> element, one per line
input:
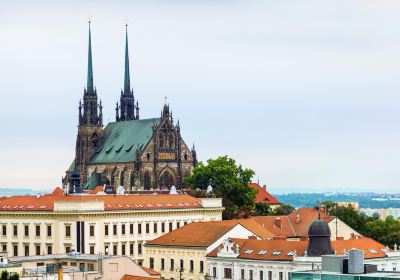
<point x="262" y="209"/>
<point x="229" y="181"/>
<point x="4" y="275"/>
<point x="283" y="210"/>
<point x="14" y="276"/>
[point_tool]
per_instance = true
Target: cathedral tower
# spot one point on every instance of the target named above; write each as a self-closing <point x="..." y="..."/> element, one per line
<point x="127" y="110"/>
<point x="90" y="129"/>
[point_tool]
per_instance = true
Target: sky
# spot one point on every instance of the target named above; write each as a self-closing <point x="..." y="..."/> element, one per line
<point x="305" y="93"/>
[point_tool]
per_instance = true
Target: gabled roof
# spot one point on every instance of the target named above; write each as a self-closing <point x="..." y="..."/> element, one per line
<point x="136" y="277"/>
<point x="204" y="234"/>
<point x="284" y="250"/>
<point x="111" y="202"/>
<point x="263" y="196"/>
<point x="121" y="139"/>
<point x="270" y="223"/>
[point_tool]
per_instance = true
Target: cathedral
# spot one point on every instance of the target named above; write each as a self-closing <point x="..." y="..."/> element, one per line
<point x="138" y="154"/>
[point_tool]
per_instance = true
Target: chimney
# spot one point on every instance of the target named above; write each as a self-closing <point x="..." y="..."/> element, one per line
<point x="265" y="187"/>
<point x="253" y="237"/>
<point x="352" y="236"/>
<point x="340" y="238"/>
<point x="278" y="222"/>
<point x="298" y="219"/>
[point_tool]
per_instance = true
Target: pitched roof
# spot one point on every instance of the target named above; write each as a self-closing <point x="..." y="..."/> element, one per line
<point x="111" y="202"/>
<point x="278" y="225"/>
<point x="263" y="196"/>
<point x="204" y="234"/>
<point x="295" y="224"/>
<point x="253" y="249"/>
<point x="150" y="271"/>
<point x="302" y="218"/>
<point x="135" y="277"/>
<point x="121" y="139"/>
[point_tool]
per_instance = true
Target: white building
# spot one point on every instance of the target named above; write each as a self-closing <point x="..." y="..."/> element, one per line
<point x="109" y="224"/>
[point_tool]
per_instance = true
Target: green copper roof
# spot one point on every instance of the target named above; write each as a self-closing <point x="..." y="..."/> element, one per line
<point x="127" y="80"/>
<point x="71" y="167"/>
<point x="121" y="139"/>
<point x="96" y="179"/>
<point x="90" y="67"/>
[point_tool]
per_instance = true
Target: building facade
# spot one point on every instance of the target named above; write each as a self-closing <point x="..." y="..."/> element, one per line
<point x="92" y="224"/>
<point x="138" y="154"/>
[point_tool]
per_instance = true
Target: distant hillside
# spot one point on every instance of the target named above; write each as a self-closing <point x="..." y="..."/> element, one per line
<point x="8" y="191"/>
<point x="366" y="200"/>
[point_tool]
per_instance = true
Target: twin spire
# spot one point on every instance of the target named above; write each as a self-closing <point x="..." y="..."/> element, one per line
<point x="128" y="109"/>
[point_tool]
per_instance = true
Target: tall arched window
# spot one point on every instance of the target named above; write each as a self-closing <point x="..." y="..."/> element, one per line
<point x="166" y="180"/>
<point x="131" y="180"/>
<point x="171" y="141"/>
<point x="161" y="140"/>
<point x="146" y="180"/>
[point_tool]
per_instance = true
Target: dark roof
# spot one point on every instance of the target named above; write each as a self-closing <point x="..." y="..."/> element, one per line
<point x="121" y="139"/>
<point x="319" y="228"/>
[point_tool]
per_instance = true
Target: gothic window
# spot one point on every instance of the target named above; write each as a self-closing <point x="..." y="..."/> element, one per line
<point x="185" y="156"/>
<point x="132" y="180"/>
<point x="167" y="180"/>
<point x="148" y="156"/>
<point x="94" y="140"/>
<point x="161" y="140"/>
<point x="122" y="178"/>
<point x="171" y="140"/>
<point x="146" y="180"/>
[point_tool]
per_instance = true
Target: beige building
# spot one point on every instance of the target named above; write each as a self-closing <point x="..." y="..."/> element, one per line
<point x="181" y="253"/>
<point x="90" y="224"/>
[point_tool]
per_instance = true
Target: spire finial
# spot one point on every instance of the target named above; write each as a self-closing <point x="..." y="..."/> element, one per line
<point x="90" y="66"/>
<point x="127" y="82"/>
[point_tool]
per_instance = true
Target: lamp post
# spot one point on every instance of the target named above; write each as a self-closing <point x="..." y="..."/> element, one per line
<point x="180" y="270"/>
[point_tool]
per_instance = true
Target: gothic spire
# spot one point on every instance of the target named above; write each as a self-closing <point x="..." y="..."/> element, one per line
<point x="90" y="66"/>
<point x="127" y="82"/>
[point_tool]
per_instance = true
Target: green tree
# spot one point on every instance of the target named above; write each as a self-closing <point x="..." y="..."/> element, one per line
<point x="4" y="275"/>
<point x="229" y="181"/>
<point x="262" y="209"/>
<point x="13" y="276"/>
<point x="283" y="210"/>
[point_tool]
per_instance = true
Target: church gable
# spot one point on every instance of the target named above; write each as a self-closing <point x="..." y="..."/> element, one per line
<point x="122" y="139"/>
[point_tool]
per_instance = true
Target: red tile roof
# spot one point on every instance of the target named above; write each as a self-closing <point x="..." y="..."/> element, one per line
<point x="204" y="234"/>
<point x="111" y="202"/>
<point x="150" y="271"/>
<point x="278" y="225"/>
<point x="135" y="277"/>
<point x="287" y="247"/>
<point x="263" y="196"/>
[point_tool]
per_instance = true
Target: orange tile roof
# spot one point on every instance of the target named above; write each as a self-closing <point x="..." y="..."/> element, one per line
<point x="95" y="190"/>
<point x="203" y="234"/>
<point x="285" y="247"/>
<point x="150" y="271"/>
<point x="135" y="277"/>
<point x="263" y="196"/>
<point x="111" y="202"/>
<point x="271" y="223"/>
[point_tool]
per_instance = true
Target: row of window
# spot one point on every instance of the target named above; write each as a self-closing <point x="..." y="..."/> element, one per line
<point x="125" y="250"/>
<point x="140" y="229"/>
<point x="181" y="267"/>
<point x="37" y="228"/>
<point x="250" y="276"/>
<point x="38" y="249"/>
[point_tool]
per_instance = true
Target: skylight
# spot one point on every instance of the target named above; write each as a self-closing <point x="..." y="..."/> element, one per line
<point x="291" y="253"/>
<point x="262" y="252"/>
<point x="373" y="251"/>
<point x="276" y="253"/>
<point x="249" y="251"/>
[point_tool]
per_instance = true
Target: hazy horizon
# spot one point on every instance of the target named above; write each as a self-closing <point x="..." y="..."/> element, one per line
<point x="305" y="93"/>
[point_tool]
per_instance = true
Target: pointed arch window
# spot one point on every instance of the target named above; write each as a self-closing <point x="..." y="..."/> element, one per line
<point x="171" y="140"/>
<point x="161" y="140"/>
<point x="146" y="180"/>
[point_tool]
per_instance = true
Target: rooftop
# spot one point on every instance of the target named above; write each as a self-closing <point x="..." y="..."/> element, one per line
<point x="263" y="196"/>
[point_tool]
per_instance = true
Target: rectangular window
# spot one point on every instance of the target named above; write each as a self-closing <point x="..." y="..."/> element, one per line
<point x="251" y="274"/>
<point x="15" y="230"/>
<point x="172" y="266"/>
<point x="123" y="229"/>
<point x="26" y="230"/>
<point x="162" y="227"/>
<point x="155" y="228"/>
<point x="115" y="250"/>
<point x="214" y="272"/>
<point x="191" y="266"/>
<point x="67" y="230"/>
<point x="90" y="266"/>
<point x="242" y="273"/>
<point x="37" y="230"/>
<point x="131" y="248"/>
<point x="4" y="230"/>
<point x="178" y="224"/>
<point x="147" y="228"/>
<point x="269" y="275"/>
<point x="181" y="264"/>
<point x="123" y="250"/>
<point x="67" y="249"/>
<point x="37" y="250"/>
<point x="184" y="223"/>
<point x="49" y="249"/>
<point x="170" y="226"/>
<point x="131" y="228"/>
<point x="49" y="231"/>
<point x="4" y="247"/>
<point x="139" y="248"/>
<point x="74" y="264"/>
<point x="114" y="229"/>
<point x="151" y="262"/>
<point x="139" y="228"/>
<point x="91" y="230"/>
<point x="106" y="230"/>
<point x="15" y="250"/>
<point x="227" y="273"/>
<point x="91" y="250"/>
<point x="162" y="264"/>
<point x="26" y="250"/>
<point x="261" y="275"/>
<point x="106" y="251"/>
<point x="280" y="275"/>
<point x="201" y="267"/>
